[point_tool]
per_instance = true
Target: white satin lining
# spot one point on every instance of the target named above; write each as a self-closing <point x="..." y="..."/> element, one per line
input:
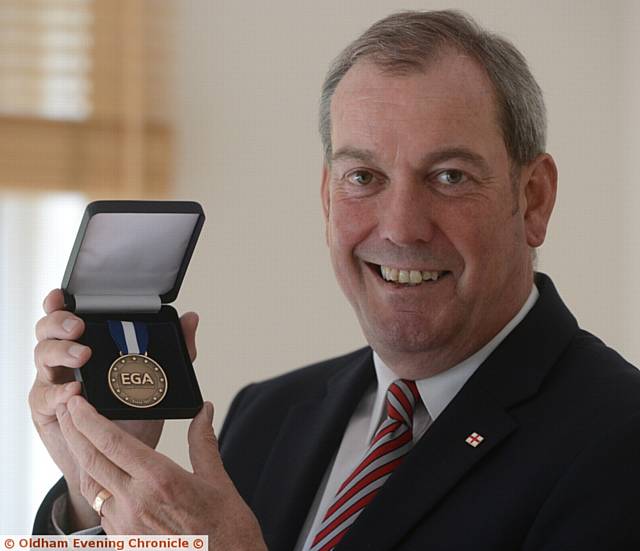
<point x="130" y="259"/>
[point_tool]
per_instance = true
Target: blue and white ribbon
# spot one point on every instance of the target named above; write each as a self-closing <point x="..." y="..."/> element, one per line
<point x="131" y="337"/>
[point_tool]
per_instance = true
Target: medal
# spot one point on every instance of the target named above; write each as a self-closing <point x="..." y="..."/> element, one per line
<point x="134" y="378"/>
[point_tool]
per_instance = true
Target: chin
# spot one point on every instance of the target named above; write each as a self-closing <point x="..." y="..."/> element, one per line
<point x="398" y="338"/>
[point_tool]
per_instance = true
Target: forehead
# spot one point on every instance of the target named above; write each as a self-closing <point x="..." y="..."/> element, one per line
<point x="450" y="103"/>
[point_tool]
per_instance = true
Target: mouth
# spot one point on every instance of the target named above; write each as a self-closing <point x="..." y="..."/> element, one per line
<point x="407" y="277"/>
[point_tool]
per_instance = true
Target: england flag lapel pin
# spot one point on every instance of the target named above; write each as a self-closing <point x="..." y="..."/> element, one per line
<point x="474" y="439"/>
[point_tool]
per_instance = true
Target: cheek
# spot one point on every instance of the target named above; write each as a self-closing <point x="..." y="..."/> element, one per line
<point x="349" y="224"/>
<point x="492" y="250"/>
<point x="484" y="240"/>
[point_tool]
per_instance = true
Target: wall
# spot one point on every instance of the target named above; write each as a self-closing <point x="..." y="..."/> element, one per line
<point x="245" y="109"/>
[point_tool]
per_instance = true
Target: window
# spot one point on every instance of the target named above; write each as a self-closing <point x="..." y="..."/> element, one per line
<point x="36" y="234"/>
<point x="83" y="108"/>
<point x="83" y="91"/>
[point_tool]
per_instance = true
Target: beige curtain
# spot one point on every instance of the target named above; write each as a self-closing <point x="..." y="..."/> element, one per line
<point x="83" y="96"/>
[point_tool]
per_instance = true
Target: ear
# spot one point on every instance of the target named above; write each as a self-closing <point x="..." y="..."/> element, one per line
<point x="326" y="200"/>
<point x="539" y="189"/>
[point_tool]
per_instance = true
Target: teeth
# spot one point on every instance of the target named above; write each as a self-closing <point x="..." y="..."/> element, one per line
<point x="426" y="276"/>
<point x="411" y="277"/>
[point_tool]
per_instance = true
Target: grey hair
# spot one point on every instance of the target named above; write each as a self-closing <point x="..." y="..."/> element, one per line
<point x="407" y="41"/>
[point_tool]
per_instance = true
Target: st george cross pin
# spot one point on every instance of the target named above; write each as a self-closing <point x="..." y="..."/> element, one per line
<point x="474" y="439"/>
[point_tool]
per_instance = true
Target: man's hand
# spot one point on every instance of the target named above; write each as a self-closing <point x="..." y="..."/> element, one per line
<point x="150" y="493"/>
<point x="56" y="355"/>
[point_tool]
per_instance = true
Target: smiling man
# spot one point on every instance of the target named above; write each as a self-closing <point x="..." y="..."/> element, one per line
<point x="480" y="416"/>
<point x="429" y="220"/>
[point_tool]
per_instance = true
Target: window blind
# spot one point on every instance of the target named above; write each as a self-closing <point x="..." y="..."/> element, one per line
<point x="83" y="96"/>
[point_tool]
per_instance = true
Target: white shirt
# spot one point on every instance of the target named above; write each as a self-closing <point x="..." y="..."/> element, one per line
<point x="436" y="393"/>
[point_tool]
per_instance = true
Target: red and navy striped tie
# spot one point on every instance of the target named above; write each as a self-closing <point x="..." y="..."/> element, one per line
<point x="386" y="451"/>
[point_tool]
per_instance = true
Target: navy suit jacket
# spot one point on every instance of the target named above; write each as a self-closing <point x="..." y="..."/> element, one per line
<point x="559" y="467"/>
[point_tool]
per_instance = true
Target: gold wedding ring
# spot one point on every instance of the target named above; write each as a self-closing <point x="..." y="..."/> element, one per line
<point x="98" y="502"/>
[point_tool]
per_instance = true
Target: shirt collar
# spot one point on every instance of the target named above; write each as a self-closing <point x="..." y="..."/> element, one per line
<point x="438" y="391"/>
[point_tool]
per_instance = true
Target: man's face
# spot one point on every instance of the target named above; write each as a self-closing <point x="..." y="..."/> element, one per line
<point x="420" y="183"/>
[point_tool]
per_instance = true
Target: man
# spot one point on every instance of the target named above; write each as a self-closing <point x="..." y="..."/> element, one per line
<point x="481" y="417"/>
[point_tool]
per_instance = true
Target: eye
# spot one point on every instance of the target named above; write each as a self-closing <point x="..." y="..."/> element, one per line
<point x="451" y="177"/>
<point x="361" y="177"/>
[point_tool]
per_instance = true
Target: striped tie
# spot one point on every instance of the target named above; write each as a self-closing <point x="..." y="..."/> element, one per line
<point x="387" y="450"/>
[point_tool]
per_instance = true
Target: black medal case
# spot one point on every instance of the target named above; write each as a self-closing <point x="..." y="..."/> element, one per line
<point x="127" y="264"/>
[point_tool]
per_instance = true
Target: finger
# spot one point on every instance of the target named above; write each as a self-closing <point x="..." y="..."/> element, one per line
<point x="90" y="459"/>
<point x="89" y="488"/>
<point x="50" y="356"/>
<point x="107" y="525"/>
<point x="189" y="322"/>
<point x="59" y="325"/>
<point x="53" y="301"/>
<point x="45" y="398"/>
<point x="109" y="507"/>
<point x="203" y="444"/>
<point x="119" y="447"/>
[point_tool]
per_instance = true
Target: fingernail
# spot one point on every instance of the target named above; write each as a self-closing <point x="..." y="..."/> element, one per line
<point x="76" y="350"/>
<point x="70" y="324"/>
<point x="209" y="410"/>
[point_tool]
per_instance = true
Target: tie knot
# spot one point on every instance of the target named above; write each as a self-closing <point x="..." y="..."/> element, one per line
<point x="402" y="398"/>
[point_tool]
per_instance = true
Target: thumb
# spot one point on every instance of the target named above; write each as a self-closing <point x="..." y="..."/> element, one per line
<point x="203" y="444"/>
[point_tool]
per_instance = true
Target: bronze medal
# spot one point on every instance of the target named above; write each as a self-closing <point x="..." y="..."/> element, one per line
<point x="137" y="380"/>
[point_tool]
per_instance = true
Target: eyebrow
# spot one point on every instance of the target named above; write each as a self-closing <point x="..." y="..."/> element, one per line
<point x="438" y="156"/>
<point x="462" y="153"/>
<point x="353" y="153"/>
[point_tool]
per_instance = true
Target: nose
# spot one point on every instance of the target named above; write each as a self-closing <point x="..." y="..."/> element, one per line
<point x="406" y="213"/>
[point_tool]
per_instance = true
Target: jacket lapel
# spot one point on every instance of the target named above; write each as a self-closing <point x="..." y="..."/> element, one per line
<point x="302" y="451"/>
<point x="439" y="460"/>
<point x="513" y="373"/>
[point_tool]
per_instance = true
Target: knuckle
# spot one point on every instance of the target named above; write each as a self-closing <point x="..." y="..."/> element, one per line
<point x="46" y="353"/>
<point x="51" y="326"/>
<point x="41" y="358"/>
<point x="40" y="404"/>
<point x="34" y="406"/>
<point x="41" y="328"/>
<point x="138" y="504"/>
<point x="88" y="462"/>
<point x="110" y="443"/>
<point x="137" y="508"/>
<point x="131" y="506"/>
<point x="163" y="485"/>
<point x="53" y="300"/>
<point x="52" y="354"/>
<point x="32" y="397"/>
<point x="35" y="398"/>
<point x="87" y="486"/>
<point x="38" y="352"/>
